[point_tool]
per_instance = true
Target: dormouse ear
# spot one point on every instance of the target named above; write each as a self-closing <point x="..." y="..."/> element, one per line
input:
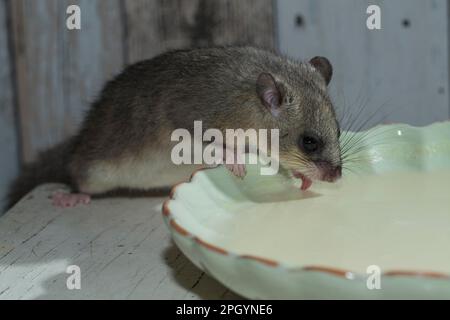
<point x="269" y="93"/>
<point x="324" y="67"/>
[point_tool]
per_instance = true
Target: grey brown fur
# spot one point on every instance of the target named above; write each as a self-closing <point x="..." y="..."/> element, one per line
<point x="133" y="118"/>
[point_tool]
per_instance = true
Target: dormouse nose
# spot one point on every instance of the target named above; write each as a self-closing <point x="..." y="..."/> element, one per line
<point x="329" y="172"/>
<point x="332" y="174"/>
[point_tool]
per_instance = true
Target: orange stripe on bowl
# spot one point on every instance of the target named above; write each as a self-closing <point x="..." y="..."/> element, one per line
<point x="210" y="246"/>
<point x="165" y="208"/>
<point x="197" y="171"/>
<point x="334" y="271"/>
<point x="179" y="228"/>
<point x="427" y="274"/>
<point x="176" y="185"/>
<point x="172" y="190"/>
<point x="265" y="261"/>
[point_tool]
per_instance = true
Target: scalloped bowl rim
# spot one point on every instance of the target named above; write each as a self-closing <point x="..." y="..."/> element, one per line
<point x="174" y="226"/>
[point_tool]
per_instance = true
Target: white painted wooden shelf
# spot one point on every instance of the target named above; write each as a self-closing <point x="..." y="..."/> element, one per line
<point x="121" y="245"/>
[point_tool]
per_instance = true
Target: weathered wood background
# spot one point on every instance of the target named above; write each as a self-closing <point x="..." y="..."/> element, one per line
<point x="49" y="74"/>
<point x="398" y="73"/>
<point x="9" y="138"/>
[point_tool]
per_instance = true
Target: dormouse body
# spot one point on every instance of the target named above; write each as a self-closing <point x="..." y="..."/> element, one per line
<point x="125" y="139"/>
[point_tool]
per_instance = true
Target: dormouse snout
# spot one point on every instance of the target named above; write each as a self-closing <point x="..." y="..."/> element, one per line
<point x="329" y="172"/>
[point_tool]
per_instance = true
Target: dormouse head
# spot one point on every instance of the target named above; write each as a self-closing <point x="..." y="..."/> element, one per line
<point x="299" y="105"/>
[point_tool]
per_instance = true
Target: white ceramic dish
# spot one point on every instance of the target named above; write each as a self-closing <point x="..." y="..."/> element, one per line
<point x="263" y="238"/>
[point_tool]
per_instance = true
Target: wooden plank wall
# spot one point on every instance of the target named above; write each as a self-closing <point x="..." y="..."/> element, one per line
<point x="8" y="131"/>
<point x="155" y="26"/>
<point x="402" y="69"/>
<point x="59" y="71"/>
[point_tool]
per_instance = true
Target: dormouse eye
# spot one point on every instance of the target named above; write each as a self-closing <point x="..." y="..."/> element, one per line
<point x="309" y="143"/>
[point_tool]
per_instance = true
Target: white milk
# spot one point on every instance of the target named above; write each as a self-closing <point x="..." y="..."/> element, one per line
<point x="395" y="221"/>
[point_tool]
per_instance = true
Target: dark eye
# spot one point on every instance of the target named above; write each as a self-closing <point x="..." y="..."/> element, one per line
<point x="309" y="143"/>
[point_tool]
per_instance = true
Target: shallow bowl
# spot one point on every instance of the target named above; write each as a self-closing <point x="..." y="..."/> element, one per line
<point x="263" y="238"/>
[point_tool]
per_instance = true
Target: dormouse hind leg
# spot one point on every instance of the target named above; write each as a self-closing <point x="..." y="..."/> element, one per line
<point x="65" y="199"/>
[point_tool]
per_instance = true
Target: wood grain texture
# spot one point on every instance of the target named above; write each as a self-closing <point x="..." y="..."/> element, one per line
<point x="90" y="56"/>
<point x="39" y="82"/>
<point x="59" y="71"/>
<point x="156" y="26"/>
<point x="401" y="69"/>
<point x="122" y="247"/>
<point x="8" y="132"/>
